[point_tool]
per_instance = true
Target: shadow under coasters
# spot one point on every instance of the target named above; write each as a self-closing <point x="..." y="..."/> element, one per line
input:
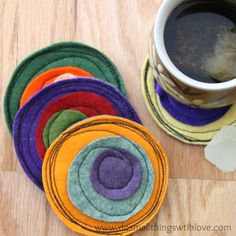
<point x="56" y="107"/>
<point x="58" y="55"/>
<point x="105" y="175"/>
<point x="189" y="125"/>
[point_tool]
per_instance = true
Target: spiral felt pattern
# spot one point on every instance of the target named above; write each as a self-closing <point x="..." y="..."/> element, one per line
<point x="88" y="198"/>
<point x="77" y="145"/>
<point x="196" y="135"/>
<point x="89" y="103"/>
<point x="80" y="94"/>
<point x="58" y="55"/>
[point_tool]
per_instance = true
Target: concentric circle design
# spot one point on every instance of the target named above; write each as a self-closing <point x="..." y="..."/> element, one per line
<point x="81" y="94"/>
<point x="89" y="103"/>
<point x="94" y="146"/>
<point x="78" y="138"/>
<point x="58" y="55"/>
<point x="86" y="194"/>
<point x="49" y="77"/>
<point x="197" y="135"/>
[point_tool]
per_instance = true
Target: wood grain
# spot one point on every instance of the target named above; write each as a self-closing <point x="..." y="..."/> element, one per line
<point x="121" y="30"/>
<point x="25" y="211"/>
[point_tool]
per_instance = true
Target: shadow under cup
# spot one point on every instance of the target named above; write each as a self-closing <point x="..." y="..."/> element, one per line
<point x="181" y="87"/>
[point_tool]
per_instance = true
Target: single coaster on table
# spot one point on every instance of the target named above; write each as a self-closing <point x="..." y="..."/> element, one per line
<point x="58" y="55"/>
<point x="105" y="175"/>
<point x="175" y="119"/>
<point x="36" y="127"/>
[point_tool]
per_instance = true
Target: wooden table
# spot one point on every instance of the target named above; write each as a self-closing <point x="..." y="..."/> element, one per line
<point x="198" y="192"/>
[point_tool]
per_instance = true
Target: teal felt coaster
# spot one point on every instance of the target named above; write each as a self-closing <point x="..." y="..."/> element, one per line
<point x="58" y="55"/>
<point x="85" y="198"/>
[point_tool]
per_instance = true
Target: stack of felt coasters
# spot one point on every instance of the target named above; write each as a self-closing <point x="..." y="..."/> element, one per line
<point x="71" y="122"/>
<point x="91" y="61"/>
<point x="56" y="107"/>
<point x="187" y="124"/>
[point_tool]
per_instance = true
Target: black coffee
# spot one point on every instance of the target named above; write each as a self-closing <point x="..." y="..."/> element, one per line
<point x="200" y="39"/>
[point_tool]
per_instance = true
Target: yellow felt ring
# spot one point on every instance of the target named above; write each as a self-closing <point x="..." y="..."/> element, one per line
<point x="62" y="152"/>
<point x="198" y="135"/>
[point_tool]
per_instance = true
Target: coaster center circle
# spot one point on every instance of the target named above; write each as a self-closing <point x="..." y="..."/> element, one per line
<point x="115" y="173"/>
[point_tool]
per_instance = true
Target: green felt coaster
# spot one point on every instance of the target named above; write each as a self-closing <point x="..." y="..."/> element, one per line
<point x="58" y="55"/>
<point x="87" y="200"/>
<point x="59" y="122"/>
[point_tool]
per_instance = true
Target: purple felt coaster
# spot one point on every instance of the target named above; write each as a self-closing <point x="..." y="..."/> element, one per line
<point x="27" y="118"/>
<point x="116" y="174"/>
<point x="187" y="114"/>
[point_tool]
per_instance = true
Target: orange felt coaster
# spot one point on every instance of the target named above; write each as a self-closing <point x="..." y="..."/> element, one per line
<point x="64" y="150"/>
<point x="49" y="77"/>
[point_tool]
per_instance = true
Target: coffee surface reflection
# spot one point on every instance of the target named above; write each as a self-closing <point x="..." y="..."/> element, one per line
<point x="200" y="39"/>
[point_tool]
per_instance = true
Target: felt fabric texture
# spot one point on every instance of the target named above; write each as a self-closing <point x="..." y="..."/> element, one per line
<point x="51" y="76"/>
<point x="112" y="169"/>
<point x="66" y="76"/>
<point x="88" y="103"/>
<point x="80" y="187"/>
<point x="31" y="119"/>
<point x="58" y="55"/>
<point x="61" y="154"/>
<point x="116" y="174"/>
<point x="197" y="135"/>
<point x="58" y="123"/>
<point x="187" y="114"/>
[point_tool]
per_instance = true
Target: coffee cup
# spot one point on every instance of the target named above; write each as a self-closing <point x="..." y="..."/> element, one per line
<point x="180" y="86"/>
